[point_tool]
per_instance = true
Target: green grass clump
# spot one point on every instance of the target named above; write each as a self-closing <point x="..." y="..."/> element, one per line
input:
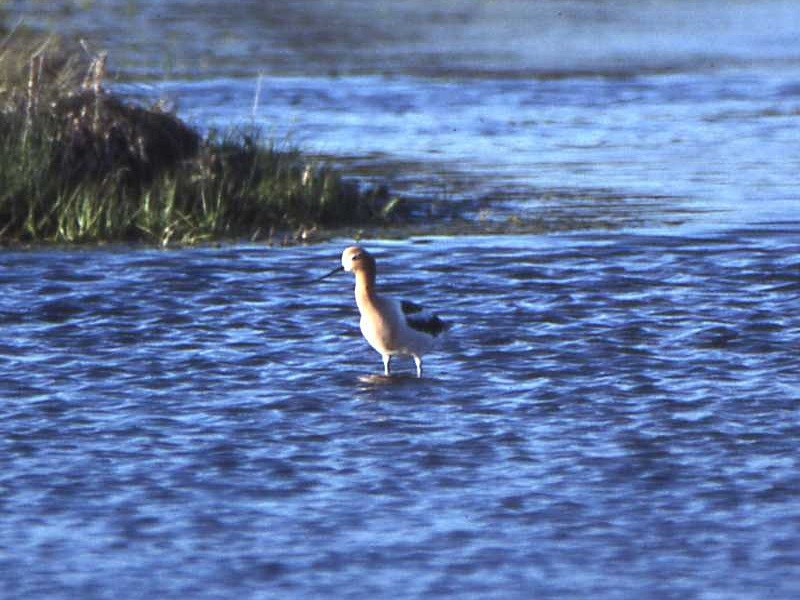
<point x="78" y="164"/>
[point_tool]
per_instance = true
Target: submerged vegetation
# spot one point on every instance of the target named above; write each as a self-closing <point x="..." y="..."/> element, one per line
<point x="79" y="164"/>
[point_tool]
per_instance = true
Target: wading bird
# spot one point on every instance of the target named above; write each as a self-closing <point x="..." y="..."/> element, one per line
<point x="390" y="326"/>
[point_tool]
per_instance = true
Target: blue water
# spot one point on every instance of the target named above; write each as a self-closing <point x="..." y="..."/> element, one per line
<point x="576" y="151"/>
<point x="614" y="413"/>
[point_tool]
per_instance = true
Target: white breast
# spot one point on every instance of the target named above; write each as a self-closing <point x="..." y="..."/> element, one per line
<point x="384" y="327"/>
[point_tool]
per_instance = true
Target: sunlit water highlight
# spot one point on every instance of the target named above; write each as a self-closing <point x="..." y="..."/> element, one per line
<point x="570" y="153"/>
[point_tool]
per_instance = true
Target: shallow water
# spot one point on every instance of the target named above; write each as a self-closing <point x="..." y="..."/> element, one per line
<point x="561" y="114"/>
<point x="613" y="415"/>
<point x="569" y="153"/>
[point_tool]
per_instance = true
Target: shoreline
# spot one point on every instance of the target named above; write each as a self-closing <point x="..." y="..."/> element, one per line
<point x="82" y="164"/>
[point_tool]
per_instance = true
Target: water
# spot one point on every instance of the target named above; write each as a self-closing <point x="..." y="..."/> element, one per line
<point x="182" y="38"/>
<point x="559" y="114"/>
<point x="568" y="153"/>
<point x="614" y="413"/>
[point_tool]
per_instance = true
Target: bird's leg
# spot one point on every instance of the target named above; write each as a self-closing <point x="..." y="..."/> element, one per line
<point x="418" y="362"/>
<point x="386" y="359"/>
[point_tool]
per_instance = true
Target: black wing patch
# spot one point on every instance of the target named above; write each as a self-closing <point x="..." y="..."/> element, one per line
<point x="418" y="319"/>
<point x="431" y="325"/>
<point x="409" y="308"/>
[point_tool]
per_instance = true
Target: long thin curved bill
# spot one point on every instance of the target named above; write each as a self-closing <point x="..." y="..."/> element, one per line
<point x="333" y="271"/>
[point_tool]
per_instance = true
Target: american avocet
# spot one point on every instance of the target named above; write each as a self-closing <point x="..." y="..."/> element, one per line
<point x="390" y="326"/>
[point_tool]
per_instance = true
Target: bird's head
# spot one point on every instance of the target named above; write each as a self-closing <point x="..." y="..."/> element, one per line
<point x="355" y="258"/>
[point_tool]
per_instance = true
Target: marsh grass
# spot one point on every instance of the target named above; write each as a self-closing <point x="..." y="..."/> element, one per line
<point x="78" y="164"/>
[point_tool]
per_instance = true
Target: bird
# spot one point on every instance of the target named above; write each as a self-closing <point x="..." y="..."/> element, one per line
<point x="392" y="327"/>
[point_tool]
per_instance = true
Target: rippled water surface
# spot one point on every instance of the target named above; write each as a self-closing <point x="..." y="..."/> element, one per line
<point x="613" y="415"/>
<point x="559" y="114"/>
<point x="567" y="153"/>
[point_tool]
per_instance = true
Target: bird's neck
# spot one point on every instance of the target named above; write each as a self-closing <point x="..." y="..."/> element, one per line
<point x="365" y="287"/>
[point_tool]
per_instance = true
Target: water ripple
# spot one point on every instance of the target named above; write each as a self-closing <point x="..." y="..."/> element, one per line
<point x="607" y="409"/>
